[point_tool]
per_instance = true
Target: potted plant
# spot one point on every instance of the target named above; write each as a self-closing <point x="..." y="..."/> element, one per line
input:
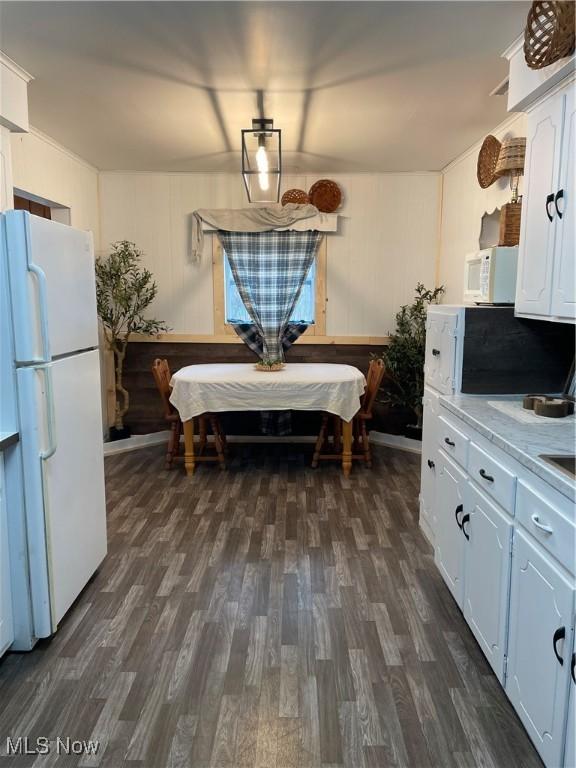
<point x="123" y="292"/>
<point x="404" y="357"/>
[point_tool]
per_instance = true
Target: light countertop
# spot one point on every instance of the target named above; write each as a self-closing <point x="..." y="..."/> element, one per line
<point x="7" y="439"/>
<point x="520" y="433"/>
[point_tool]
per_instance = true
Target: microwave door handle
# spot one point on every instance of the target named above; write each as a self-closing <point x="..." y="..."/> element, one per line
<point x="549" y="201"/>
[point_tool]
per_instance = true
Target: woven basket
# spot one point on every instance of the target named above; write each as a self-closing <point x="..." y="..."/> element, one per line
<point x="487" y="160"/>
<point x="549" y="34"/>
<point x="510" y="224"/>
<point x="325" y="195"/>
<point x="295" y="196"/>
<point x="511" y="157"/>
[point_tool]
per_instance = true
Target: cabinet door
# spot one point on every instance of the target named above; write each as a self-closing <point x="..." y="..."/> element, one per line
<point x="537" y="230"/>
<point x="564" y="290"/>
<point x="570" y="754"/>
<point x="487" y="577"/>
<point x="449" y="549"/>
<point x="539" y="646"/>
<point x="440" y="358"/>
<point x="429" y="460"/>
<point x="6" y="626"/>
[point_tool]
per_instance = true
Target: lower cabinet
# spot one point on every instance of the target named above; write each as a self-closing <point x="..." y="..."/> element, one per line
<point x="570" y="756"/>
<point x="429" y="461"/>
<point x="6" y="626"/>
<point x="539" y="646"/>
<point x="451" y="485"/>
<point x="486" y="576"/>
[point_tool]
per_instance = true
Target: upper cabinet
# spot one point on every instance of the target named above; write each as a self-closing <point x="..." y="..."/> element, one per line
<point x="546" y="281"/>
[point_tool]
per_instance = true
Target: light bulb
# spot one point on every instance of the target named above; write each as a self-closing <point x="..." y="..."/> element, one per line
<point x="262" y="163"/>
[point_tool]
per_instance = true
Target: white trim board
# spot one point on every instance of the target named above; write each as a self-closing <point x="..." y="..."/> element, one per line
<point x="136" y="442"/>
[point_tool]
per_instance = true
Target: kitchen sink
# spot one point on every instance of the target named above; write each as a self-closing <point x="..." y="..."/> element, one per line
<point x="565" y="462"/>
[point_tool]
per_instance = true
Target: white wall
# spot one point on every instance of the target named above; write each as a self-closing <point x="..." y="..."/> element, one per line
<point x="463" y="204"/>
<point x="386" y="243"/>
<point x="43" y="168"/>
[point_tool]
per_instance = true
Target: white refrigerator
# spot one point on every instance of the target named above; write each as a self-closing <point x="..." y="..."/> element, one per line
<point x="56" y="501"/>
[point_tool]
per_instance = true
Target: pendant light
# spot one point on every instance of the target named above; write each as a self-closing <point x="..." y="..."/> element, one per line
<point x="262" y="161"/>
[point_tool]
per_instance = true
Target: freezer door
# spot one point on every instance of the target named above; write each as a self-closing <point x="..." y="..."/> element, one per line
<point x="69" y="451"/>
<point x="53" y="288"/>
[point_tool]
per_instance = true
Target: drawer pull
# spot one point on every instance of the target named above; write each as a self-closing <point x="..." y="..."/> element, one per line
<point x="436" y="352"/>
<point x="449" y="442"/>
<point x="559" y="196"/>
<point x="538" y="524"/>
<point x="560" y="634"/>
<point x="572" y="667"/>
<point x="459" y="509"/>
<point x="465" y="519"/>
<point x="485" y="476"/>
<point x="549" y="201"/>
<point x="431" y="464"/>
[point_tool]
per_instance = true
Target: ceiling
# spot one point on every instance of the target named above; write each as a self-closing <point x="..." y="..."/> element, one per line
<point x="354" y="86"/>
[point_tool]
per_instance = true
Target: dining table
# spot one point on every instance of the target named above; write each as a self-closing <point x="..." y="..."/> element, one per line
<point x="218" y="387"/>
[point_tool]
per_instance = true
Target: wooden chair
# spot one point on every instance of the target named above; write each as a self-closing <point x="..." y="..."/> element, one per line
<point x="162" y="377"/>
<point x="360" y="440"/>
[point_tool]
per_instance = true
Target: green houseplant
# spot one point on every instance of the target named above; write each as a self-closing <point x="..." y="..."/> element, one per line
<point x="124" y="291"/>
<point x="404" y="356"/>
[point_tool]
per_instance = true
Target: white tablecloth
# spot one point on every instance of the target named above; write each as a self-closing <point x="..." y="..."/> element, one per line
<point x="221" y="387"/>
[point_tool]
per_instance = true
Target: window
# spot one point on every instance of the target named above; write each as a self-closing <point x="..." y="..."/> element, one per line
<point x="304" y="311"/>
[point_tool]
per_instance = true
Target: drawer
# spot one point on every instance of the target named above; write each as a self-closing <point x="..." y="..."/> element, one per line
<point x="493" y="477"/>
<point x="545" y="523"/>
<point x="454" y="442"/>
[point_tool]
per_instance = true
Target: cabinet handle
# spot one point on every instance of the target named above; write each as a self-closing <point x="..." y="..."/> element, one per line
<point x="449" y="442"/>
<point x="559" y="196"/>
<point x="538" y="524"/>
<point x="572" y="666"/>
<point x="560" y="634"/>
<point x="465" y="519"/>
<point x="486" y="476"/>
<point x="436" y="352"/>
<point x="549" y="200"/>
<point x="459" y="509"/>
<point x="431" y="464"/>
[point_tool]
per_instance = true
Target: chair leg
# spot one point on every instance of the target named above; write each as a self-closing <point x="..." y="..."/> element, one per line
<point x="218" y="442"/>
<point x="202" y="435"/>
<point x="171" y="445"/>
<point x="320" y="441"/>
<point x="337" y="435"/>
<point x="177" y="436"/>
<point x="366" y="446"/>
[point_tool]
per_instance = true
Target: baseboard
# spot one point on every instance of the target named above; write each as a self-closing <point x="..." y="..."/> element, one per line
<point x="136" y="442"/>
<point x="396" y="441"/>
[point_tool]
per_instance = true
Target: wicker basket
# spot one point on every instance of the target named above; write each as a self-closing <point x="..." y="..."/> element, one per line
<point x="325" y="195"/>
<point x="549" y="34"/>
<point x="487" y="160"/>
<point x="511" y="157"/>
<point x="297" y="196"/>
<point x="510" y="224"/>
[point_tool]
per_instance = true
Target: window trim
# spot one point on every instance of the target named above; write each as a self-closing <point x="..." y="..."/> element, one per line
<point x="221" y="327"/>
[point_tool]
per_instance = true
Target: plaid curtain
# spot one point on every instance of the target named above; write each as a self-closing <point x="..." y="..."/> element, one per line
<point x="269" y="269"/>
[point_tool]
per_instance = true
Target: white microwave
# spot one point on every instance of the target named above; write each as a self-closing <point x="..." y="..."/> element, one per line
<point x="490" y="276"/>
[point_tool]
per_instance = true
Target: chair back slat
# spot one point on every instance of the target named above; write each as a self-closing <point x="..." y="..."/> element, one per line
<point x="162" y="377"/>
<point x="373" y="382"/>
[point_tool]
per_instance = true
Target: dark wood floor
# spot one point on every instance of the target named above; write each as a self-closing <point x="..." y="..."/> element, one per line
<point x="270" y="615"/>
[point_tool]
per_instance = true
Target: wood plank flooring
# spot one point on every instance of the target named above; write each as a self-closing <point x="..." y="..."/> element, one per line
<point x="269" y="615"/>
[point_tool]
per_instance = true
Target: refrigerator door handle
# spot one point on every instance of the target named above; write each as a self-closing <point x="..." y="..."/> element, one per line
<point x="41" y="278"/>
<point x="50" y="416"/>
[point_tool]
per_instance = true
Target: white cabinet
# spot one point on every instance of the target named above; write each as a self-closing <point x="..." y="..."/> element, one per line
<point x="449" y="549"/>
<point x="441" y="341"/>
<point x="570" y="754"/>
<point x="564" y="280"/>
<point x="429" y="461"/>
<point x="6" y="626"/>
<point x="539" y="646"/>
<point x="487" y="574"/>
<point x="545" y="285"/>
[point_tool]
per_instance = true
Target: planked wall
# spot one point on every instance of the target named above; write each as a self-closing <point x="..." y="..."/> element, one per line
<point x="386" y="243"/>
